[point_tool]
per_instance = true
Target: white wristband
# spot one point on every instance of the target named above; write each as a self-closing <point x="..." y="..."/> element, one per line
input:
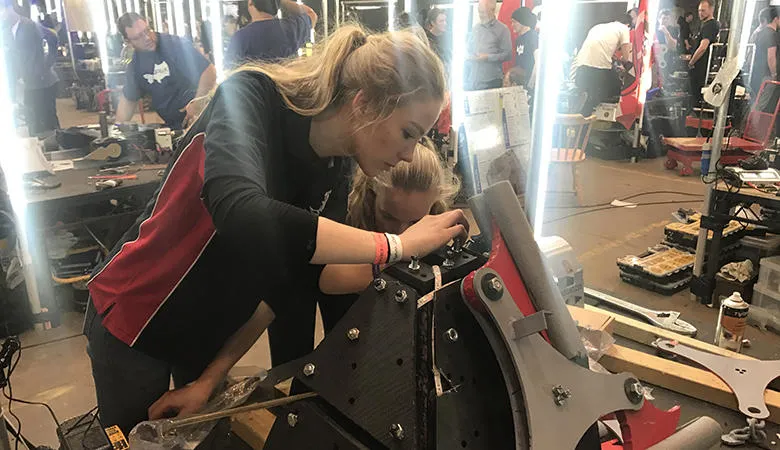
<point x="396" y="249"/>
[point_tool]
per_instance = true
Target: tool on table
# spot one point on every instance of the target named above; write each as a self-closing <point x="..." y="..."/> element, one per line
<point x="130" y="176"/>
<point x="107" y="184"/>
<point x="37" y="183"/>
<point x="171" y="425"/>
<point x="668" y="320"/>
<point x="747" y="379"/>
<point x="732" y="320"/>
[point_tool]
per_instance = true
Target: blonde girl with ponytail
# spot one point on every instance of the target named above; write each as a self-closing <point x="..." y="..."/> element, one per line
<point x="392" y="202"/>
<point x="244" y="212"/>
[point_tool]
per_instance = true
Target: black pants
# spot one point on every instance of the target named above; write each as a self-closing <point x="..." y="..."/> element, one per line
<point x="41" y="106"/>
<point x="291" y="335"/>
<point x="598" y="84"/>
<point x="698" y="78"/>
<point x="128" y="382"/>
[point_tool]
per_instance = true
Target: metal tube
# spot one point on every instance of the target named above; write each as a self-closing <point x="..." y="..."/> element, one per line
<point x="519" y="238"/>
<point x="325" y="17"/>
<point x="207" y="417"/>
<point x="735" y="28"/>
<point x="700" y="434"/>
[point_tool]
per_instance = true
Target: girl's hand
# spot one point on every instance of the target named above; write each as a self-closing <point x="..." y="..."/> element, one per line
<point x="432" y="232"/>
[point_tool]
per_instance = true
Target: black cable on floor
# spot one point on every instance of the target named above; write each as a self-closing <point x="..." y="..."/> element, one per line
<point x="605" y="208"/>
<point x="596" y="205"/>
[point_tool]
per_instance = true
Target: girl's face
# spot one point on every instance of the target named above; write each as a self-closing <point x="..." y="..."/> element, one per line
<point x="382" y="145"/>
<point x="397" y="209"/>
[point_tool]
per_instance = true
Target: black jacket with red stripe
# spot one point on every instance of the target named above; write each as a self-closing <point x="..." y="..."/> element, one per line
<point x="233" y="222"/>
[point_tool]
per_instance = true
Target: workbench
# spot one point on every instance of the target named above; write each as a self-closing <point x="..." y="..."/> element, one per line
<point x="77" y="203"/>
<point x="724" y="199"/>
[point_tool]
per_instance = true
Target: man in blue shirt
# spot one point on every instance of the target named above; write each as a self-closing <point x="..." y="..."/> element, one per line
<point x="268" y="38"/>
<point x="166" y="67"/>
<point x="27" y="61"/>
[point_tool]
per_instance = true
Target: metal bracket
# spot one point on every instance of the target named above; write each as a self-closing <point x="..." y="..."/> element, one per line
<point x="544" y="374"/>
<point x="713" y="223"/>
<point x="528" y="325"/>
<point x="748" y="379"/>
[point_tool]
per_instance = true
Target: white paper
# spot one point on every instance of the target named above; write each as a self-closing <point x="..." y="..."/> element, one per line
<point x="621" y="203"/>
<point x="65" y="164"/>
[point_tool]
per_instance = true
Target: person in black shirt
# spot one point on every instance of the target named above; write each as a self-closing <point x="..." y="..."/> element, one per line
<point x="390" y="203"/>
<point x="684" y="38"/>
<point x="708" y="33"/>
<point x="435" y="30"/>
<point x="526" y="44"/>
<point x="269" y="38"/>
<point x="240" y="221"/>
<point x="765" y="54"/>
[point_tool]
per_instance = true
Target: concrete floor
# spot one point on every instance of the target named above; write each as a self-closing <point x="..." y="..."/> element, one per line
<point x="55" y="368"/>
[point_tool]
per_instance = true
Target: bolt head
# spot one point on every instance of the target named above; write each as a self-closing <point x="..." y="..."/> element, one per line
<point x="353" y="334"/>
<point x="495" y="285"/>
<point x="634" y="391"/>
<point x="292" y="420"/>
<point x="401" y="296"/>
<point x="451" y="334"/>
<point x="308" y="369"/>
<point x="448" y="263"/>
<point x="397" y="431"/>
<point x="560" y="395"/>
<point x="380" y="284"/>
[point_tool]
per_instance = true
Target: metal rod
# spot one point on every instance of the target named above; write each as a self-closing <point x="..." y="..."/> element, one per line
<point x="737" y="16"/>
<point x="325" y="17"/>
<point x="207" y="417"/>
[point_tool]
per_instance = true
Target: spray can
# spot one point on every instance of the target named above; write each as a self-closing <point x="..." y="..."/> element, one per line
<point x="732" y="320"/>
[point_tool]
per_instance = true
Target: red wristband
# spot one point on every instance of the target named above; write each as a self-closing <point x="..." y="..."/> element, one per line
<point x="382" y="248"/>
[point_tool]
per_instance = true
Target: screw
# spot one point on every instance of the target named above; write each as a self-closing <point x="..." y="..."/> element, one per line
<point x="451" y="334"/>
<point x="308" y="369"/>
<point x="414" y="264"/>
<point x="397" y="431"/>
<point x="401" y="296"/>
<point x="380" y="284"/>
<point x="496" y="286"/>
<point x="292" y="420"/>
<point x="560" y="395"/>
<point x="353" y="334"/>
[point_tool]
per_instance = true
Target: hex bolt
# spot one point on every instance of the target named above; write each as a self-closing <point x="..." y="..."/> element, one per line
<point x="353" y="334"/>
<point x="397" y="431"/>
<point x="380" y="284"/>
<point x="292" y="420"/>
<point x="495" y="285"/>
<point x="635" y="392"/>
<point x="451" y="334"/>
<point x="449" y="263"/>
<point x="401" y="296"/>
<point x="560" y="395"/>
<point x="308" y="369"/>
<point x="457" y="245"/>
<point x="414" y="264"/>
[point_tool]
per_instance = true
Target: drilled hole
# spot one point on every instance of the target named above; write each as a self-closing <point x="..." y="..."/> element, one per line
<point x="462" y="379"/>
<point x="351" y="400"/>
<point x="399" y="361"/>
<point x="754" y="410"/>
<point x="464" y="444"/>
<point x="476" y="433"/>
<point x="354" y="366"/>
<point x="474" y="381"/>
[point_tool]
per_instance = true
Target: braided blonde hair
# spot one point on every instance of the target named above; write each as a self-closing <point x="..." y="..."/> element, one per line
<point x="425" y="172"/>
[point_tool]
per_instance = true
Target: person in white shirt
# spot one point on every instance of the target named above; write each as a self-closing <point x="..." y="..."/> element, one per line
<point x="593" y="72"/>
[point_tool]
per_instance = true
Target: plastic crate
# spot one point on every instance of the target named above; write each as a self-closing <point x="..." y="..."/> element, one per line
<point x="766" y="298"/>
<point x="769" y="274"/>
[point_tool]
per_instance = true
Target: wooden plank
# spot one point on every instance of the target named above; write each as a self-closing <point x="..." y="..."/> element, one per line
<point x="646" y="334"/>
<point x="594" y="320"/>
<point x="253" y="427"/>
<point x="687" y="380"/>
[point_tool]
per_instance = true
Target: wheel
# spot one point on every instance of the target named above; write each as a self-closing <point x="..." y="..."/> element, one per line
<point x="670" y="164"/>
<point x="685" y="171"/>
